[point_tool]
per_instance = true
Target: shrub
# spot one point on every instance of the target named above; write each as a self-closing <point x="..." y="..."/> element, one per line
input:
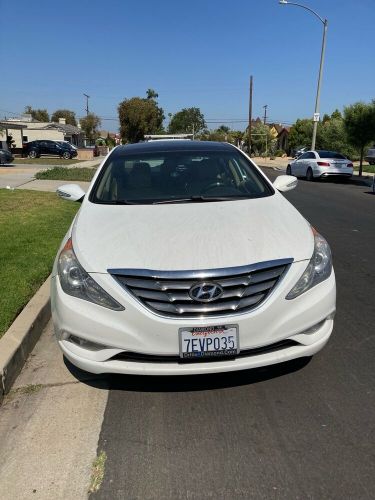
<point x="279" y="152"/>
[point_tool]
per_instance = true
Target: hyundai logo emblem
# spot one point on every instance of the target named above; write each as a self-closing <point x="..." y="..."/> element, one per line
<point x="206" y="292"/>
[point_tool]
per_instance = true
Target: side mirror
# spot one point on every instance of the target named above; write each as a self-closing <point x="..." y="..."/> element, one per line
<point x="285" y="182"/>
<point x="71" y="192"/>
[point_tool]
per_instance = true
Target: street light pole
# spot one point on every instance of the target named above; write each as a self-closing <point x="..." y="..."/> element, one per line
<point x="317" y="100"/>
<point x="325" y="24"/>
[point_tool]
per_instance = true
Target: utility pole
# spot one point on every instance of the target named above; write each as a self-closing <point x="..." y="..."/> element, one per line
<point x="87" y="103"/>
<point x="250" y="113"/>
<point x="265" y="113"/>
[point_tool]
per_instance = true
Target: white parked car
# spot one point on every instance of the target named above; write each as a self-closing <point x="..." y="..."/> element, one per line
<point x="320" y="163"/>
<point x="184" y="258"/>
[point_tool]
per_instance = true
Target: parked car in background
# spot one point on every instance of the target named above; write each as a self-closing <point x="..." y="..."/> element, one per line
<point x="299" y="151"/>
<point x="35" y="149"/>
<point x="370" y="155"/>
<point x="5" y="156"/>
<point x="185" y="259"/>
<point x="319" y="164"/>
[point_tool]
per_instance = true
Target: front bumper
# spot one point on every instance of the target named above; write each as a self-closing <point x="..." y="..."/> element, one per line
<point x="138" y="330"/>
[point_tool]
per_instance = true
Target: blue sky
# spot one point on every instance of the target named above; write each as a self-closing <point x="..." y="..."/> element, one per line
<point x="198" y="53"/>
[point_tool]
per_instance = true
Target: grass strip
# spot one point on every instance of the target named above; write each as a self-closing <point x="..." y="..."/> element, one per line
<point x="98" y="469"/>
<point x="67" y="174"/>
<point x="32" y="225"/>
<point x="367" y="168"/>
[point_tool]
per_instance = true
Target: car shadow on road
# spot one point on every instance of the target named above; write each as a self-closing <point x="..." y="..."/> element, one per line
<point x="354" y="181"/>
<point x="147" y="383"/>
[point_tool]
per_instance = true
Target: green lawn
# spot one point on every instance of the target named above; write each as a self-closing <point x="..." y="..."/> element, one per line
<point x="366" y="168"/>
<point x="32" y="225"/>
<point x="46" y="161"/>
<point x="67" y="174"/>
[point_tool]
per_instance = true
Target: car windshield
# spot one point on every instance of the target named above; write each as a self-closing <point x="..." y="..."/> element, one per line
<point x="178" y="176"/>
<point x="331" y="154"/>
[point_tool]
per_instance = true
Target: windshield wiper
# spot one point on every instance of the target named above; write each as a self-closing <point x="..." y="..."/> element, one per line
<point x="199" y="199"/>
<point x="126" y="202"/>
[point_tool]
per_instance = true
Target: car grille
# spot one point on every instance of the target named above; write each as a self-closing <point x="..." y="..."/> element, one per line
<point x="167" y="292"/>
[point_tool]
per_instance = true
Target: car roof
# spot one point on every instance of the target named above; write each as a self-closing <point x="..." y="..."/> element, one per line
<point x="175" y="145"/>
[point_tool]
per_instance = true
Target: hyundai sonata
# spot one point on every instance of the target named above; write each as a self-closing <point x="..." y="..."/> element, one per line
<point x="184" y="258"/>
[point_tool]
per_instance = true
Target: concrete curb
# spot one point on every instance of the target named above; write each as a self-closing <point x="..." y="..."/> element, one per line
<point x="18" y="342"/>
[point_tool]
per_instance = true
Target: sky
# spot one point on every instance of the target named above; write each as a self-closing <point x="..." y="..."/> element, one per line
<point x="198" y="53"/>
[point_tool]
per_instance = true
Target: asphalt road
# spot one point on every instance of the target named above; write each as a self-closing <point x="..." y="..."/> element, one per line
<point x="302" y="430"/>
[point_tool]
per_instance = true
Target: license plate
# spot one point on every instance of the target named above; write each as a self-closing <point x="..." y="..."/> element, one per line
<point x="209" y="342"/>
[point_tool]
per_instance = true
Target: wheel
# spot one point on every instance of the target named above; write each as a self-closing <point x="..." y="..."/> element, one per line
<point x="309" y="175"/>
<point x="288" y="170"/>
<point x="66" y="155"/>
<point x="33" y="154"/>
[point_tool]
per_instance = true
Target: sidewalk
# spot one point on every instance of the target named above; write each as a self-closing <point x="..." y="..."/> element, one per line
<point x="50" y="186"/>
<point x="22" y="175"/>
<point x="49" y="426"/>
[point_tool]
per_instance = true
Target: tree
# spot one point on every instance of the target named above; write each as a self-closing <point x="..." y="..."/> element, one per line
<point x="40" y="115"/>
<point x="301" y="134"/>
<point x="70" y="116"/>
<point x="336" y="114"/>
<point x="110" y="142"/>
<point x="224" y="128"/>
<point x="333" y="137"/>
<point x="139" y="116"/>
<point x="151" y="94"/>
<point x="236" y="137"/>
<point x="359" y="122"/>
<point x="90" y="125"/>
<point x="262" y="140"/>
<point x="187" y="121"/>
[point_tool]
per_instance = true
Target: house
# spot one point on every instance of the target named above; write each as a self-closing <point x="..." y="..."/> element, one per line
<point x="281" y="133"/>
<point x="20" y="130"/>
<point x="103" y="134"/>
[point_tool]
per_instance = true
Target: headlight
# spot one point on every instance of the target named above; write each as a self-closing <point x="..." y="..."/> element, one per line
<point x="318" y="270"/>
<point x="76" y="281"/>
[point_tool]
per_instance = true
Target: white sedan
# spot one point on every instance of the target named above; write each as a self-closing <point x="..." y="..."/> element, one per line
<point x="184" y="259"/>
<point x="320" y="163"/>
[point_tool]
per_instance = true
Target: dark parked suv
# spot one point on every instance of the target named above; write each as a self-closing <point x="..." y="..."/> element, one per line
<point x="35" y="149"/>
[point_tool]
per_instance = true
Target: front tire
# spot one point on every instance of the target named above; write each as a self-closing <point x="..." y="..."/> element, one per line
<point x="66" y="155"/>
<point x="288" y="170"/>
<point x="309" y="175"/>
<point x="33" y="154"/>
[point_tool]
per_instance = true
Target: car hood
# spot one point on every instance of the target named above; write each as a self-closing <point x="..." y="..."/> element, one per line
<point x="190" y="236"/>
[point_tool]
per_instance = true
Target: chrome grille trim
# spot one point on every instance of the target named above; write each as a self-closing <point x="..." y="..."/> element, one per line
<point x="167" y="292"/>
